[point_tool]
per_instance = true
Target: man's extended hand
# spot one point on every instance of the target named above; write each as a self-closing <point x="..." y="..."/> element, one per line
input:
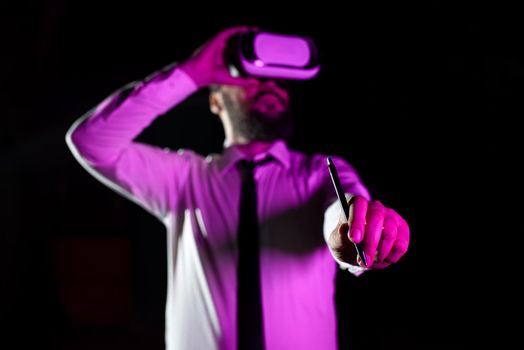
<point x="381" y="232"/>
<point x="207" y="67"/>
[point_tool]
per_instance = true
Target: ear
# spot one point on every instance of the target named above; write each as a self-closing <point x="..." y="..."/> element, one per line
<point x="215" y="103"/>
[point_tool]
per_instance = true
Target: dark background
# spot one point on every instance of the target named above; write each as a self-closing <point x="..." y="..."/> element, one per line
<point x="423" y="99"/>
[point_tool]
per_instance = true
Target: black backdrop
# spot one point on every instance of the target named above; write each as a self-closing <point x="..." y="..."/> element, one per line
<point x="423" y="99"/>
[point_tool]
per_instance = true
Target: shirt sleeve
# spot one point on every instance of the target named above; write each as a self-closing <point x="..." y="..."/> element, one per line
<point x="352" y="186"/>
<point x="102" y="141"/>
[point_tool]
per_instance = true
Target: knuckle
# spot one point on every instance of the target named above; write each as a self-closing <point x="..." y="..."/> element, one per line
<point x="405" y="225"/>
<point x="376" y="201"/>
<point x="359" y="200"/>
<point x="377" y="207"/>
<point x="401" y="246"/>
<point x="375" y="216"/>
<point x="388" y="235"/>
<point x="403" y="232"/>
<point x="392" y="215"/>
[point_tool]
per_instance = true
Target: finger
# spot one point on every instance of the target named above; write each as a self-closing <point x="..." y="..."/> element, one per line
<point x="400" y="246"/>
<point x="373" y="229"/>
<point x="229" y="32"/>
<point x="388" y="236"/>
<point x="357" y="217"/>
<point x="218" y="42"/>
<point x="380" y="265"/>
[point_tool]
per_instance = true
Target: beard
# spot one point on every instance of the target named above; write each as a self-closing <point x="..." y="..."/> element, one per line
<point x="254" y="124"/>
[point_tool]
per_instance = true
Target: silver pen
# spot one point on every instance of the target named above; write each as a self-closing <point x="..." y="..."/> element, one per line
<point x="343" y="202"/>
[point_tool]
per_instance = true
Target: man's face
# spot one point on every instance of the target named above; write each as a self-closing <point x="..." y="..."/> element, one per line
<point x="259" y="111"/>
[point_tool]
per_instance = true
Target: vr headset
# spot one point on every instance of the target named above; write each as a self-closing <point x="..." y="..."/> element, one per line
<point x="269" y="55"/>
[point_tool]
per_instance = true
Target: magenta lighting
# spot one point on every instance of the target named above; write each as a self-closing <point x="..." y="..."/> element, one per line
<point x="271" y="55"/>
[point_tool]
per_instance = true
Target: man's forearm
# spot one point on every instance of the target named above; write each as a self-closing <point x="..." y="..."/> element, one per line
<point x="104" y="132"/>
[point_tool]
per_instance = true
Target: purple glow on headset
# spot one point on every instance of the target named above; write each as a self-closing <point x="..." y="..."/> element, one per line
<point x="286" y="50"/>
<point x="279" y="56"/>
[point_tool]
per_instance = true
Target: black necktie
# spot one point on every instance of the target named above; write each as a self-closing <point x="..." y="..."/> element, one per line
<point x="249" y="302"/>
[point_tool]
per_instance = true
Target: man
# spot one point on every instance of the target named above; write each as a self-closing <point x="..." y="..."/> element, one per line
<point x="302" y="235"/>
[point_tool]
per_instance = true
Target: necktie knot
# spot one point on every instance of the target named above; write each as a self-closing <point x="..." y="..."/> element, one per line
<point x="247" y="166"/>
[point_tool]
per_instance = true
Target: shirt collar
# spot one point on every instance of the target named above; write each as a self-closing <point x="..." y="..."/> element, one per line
<point x="232" y="155"/>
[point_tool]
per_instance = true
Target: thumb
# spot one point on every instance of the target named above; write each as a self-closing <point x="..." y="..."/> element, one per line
<point x="343" y="229"/>
<point x="341" y="245"/>
<point x="343" y="240"/>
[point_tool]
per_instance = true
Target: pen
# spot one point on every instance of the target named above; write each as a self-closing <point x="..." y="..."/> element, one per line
<point x="343" y="202"/>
